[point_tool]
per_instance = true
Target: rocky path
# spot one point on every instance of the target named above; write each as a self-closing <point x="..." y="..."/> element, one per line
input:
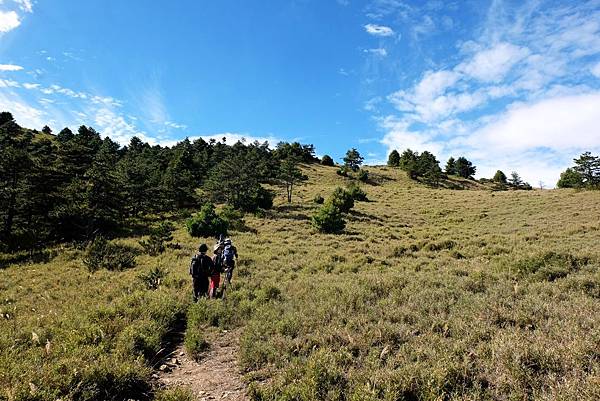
<point x="215" y="377"/>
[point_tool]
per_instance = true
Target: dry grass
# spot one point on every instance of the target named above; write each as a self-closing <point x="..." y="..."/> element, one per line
<point x="429" y="294"/>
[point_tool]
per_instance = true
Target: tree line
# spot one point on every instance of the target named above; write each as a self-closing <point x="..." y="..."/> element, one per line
<point x="77" y="185"/>
<point x="426" y="167"/>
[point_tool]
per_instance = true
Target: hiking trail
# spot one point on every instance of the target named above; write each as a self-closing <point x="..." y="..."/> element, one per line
<point x="216" y="376"/>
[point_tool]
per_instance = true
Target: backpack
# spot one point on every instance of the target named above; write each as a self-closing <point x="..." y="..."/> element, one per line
<point x="197" y="267"/>
<point x="228" y="255"/>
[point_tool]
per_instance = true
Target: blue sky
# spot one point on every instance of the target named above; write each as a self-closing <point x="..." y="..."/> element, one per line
<point x="513" y="85"/>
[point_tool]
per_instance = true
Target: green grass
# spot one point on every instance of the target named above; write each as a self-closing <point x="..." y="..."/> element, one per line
<point x="428" y="294"/>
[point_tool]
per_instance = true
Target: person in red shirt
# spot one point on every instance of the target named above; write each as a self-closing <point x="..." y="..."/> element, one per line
<point x="215" y="277"/>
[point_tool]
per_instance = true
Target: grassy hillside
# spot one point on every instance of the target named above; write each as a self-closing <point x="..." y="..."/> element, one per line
<point x="429" y="294"/>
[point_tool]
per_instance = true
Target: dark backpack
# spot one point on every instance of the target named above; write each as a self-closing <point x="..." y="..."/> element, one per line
<point x="228" y="255"/>
<point x="198" y="266"/>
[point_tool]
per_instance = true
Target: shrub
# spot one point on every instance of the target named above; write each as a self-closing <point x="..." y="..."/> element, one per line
<point x="206" y="223"/>
<point x="357" y="193"/>
<point x="550" y="266"/>
<point x="174" y="394"/>
<point x="363" y="175"/>
<point x="342" y="200"/>
<point x="154" y="278"/>
<point x="327" y="161"/>
<point x="101" y="254"/>
<point x="319" y="200"/>
<point x="141" y="338"/>
<point x="264" y="198"/>
<point x="328" y="219"/>
<point x="233" y="217"/>
<point x="159" y="236"/>
<point x="105" y="380"/>
<point x="343" y="171"/>
<point x="195" y="343"/>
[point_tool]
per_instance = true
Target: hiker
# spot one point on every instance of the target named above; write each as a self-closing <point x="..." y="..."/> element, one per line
<point x="215" y="277"/>
<point x="228" y="257"/>
<point x="200" y="268"/>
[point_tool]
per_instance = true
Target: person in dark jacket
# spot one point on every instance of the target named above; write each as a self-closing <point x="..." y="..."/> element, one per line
<point x="200" y="268"/>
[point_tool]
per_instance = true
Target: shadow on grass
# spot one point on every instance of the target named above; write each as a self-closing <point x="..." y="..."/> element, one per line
<point x="26" y="257"/>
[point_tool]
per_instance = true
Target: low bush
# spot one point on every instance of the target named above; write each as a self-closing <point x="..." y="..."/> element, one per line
<point x="174" y="394"/>
<point x="342" y="200"/>
<point x="264" y="199"/>
<point x="550" y="266"/>
<point x="154" y="278"/>
<point x="159" y="238"/>
<point x="206" y="223"/>
<point x="357" y="193"/>
<point x="142" y="337"/>
<point x="343" y="171"/>
<point x="194" y="343"/>
<point x="327" y="161"/>
<point x="319" y="200"/>
<point x="101" y="254"/>
<point x="328" y="219"/>
<point x="234" y="218"/>
<point x="363" y="175"/>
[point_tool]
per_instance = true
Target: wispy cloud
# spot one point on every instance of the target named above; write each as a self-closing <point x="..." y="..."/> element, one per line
<point x="596" y="70"/>
<point x="10" y="67"/>
<point x="379" y="30"/>
<point x="25" y="5"/>
<point x="380" y="51"/>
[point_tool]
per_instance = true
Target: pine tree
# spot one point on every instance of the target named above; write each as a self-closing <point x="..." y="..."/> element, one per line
<point x="408" y="163"/>
<point x="353" y="160"/>
<point x="290" y="175"/>
<point x="15" y="164"/>
<point x="103" y="194"/>
<point x="588" y="167"/>
<point x="499" y="177"/>
<point x="570" y="179"/>
<point x="464" y="168"/>
<point x="394" y="159"/>
<point x="450" y="168"/>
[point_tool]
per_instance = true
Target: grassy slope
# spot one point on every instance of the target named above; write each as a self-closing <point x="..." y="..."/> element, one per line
<point x="429" y="294"/>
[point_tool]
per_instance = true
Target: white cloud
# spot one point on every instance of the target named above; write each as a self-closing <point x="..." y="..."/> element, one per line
<point x="8" y="83"/>
<point x="596" y="70"/>
<point x="424" y="27"/>
<point x="31" y="86"/>
<point x="399" y="136"/>
<point x="116" y="127"/>
<point x="23" y="113"/>
<point x="10" y="67"/>
<point x="25" y="5"/>
<point x="562" y="123"/>
<point x="9" y="20"/>
<point x="491" y="65"/>
<point x="175" y="125"/>
<point x="380" y="51"/>
<point x="379" y="30"/>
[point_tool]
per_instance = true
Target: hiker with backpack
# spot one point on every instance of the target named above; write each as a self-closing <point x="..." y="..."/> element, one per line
<point x="229" y="255"/>
<point x="215" y="277"/>
<point x="201" y="267"/>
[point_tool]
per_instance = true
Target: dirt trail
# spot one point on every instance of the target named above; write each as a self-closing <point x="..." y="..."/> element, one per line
<point x="215" y="377"/>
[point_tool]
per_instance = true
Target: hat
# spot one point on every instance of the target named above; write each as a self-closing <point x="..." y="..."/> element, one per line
<point x="203" y="248"/>
<point x="227" y="241"/>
